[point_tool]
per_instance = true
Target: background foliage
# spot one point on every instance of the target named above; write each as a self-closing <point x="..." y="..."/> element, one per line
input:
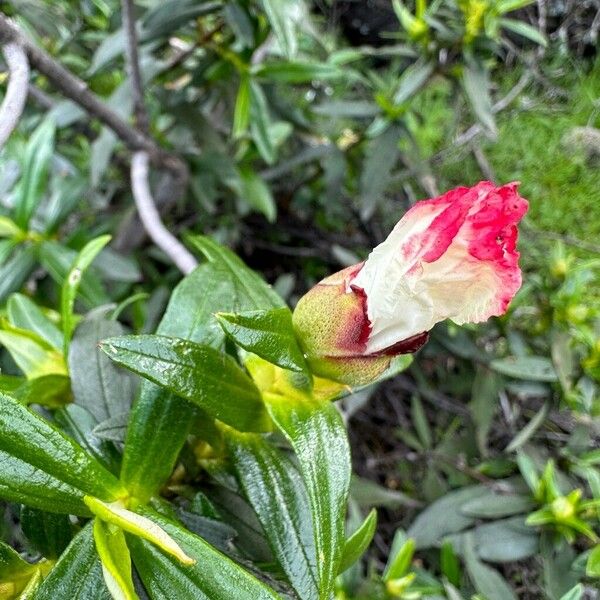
<point x="306" y="130"/>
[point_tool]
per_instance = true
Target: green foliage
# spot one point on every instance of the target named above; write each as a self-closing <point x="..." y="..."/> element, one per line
<point x="224" y="470"/>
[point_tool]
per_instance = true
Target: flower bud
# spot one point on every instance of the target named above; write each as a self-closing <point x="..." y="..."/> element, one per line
<point x="452" y="257"/>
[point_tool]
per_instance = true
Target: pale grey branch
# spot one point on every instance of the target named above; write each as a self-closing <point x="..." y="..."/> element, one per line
<point x="150" y="216"/>
<point x="16" y="90"/>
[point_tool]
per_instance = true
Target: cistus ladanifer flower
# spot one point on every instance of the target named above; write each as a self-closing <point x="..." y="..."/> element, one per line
<point x="451" y="257"/>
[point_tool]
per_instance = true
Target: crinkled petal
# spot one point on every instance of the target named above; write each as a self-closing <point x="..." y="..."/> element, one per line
<point x="452" y="257"/>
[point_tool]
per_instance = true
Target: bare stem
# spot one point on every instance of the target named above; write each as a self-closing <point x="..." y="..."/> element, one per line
<point x="150" y="216"/>
<point x="77" y="90"/>
<point x="16" y="90"/>
<point x="133" y="66"/>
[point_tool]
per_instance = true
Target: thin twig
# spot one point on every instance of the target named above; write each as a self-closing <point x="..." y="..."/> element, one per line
<point x="133" y="66"/>
<point x="16" y="90"/>
<point x="40" y="97"/>
<point x="77" y="90"/>
<point x="150" y="217"/>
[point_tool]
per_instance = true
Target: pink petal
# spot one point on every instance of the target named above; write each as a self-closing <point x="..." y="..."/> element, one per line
<point x="450" y="257"/>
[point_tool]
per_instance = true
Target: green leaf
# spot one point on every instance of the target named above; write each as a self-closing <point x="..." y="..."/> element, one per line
<point x="299" y="72"/>
<point x="160" y="422"/>
<point x="381" y="153"/>
<point x="494" y="506"/>
<point x="525" y="434"/>
<point x="420" y="422"/>
<point x="238" y="20"/>
<point x="13" y="570"/>
<point x="251" y="291"/>
<point x="484" y="404"/>
<point x="488" y="582"/>
<point x="25" y="314"/>
<point x="367" y="493"/>
<point x="444" y="516"/>
<point x="525" y="30"/>
<point x="58" y="260"/>
<point x="528" y="471"/>
<point x="504" y="6"/>
<point x="9" y="229"/>
<point x="71" y="285"/>
<point x="38" y="154"/>
<point x="241" y="113"/>
<point x="170" y="15"/>
<point x="196" y="372"/>
<point x="138" y="525"/>
<point x="15" y="271"/>
<point x="592" y="567"/>
<point x="503" y="540"/>
<point x="158" y="427"/>
<point x="275" y="489"/>
<point x="449" y="564"/>
<point x="575" y="593"/>
<point x="48" y="533"/>
<point x="400" y="561"/>
<point x="32" y="354"/>
<point x="477" y="88"/>
<point x="318" y="436"/>
<point x="530" y="368"/>
<point x="412" y="80"/>
<point x="281" y="15"/>
<point x="31" y="445"/>
<point x="78" y="573"/>
<point x="116" y="561"/>
<point x="212" y="577"/>
<point x="98" y="385"/>
<point x="267" y="333"/>
<point x="356" y="545"/>
<point x="252" y="189"/>
<point x="260" y="123"/>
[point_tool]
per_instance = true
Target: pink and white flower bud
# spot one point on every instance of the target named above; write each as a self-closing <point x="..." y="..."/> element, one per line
<point x="452" y="257"/>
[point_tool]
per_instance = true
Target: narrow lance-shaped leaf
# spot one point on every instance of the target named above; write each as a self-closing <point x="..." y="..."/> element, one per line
<point x="78" y="573"/>
<point x="252" y="292"/>
<point x="33" y="355"/>
<point x="98" y="384"/>
<point x="196" y="372"/>
<point x="116" y="561"/>
<point x="214" y="576"/>
<point x="71" y="285"/>
<point x="137" y="524"/>
<point x="281" y="17"/>
<point x="317" y="434"/>
<point x="15" y="271"/>
<point x="276" y="491"/>
<point x="47" y="533"/>
<point x="241" y="113"/>
<point x="25" y="314"/>
<point x="35" y="168"/>
<point x="356" y="545"/>
<point x="14" y="572"/>
<point x="31" y="445"/>
<point x="267" y="333"/>
<point x="261" y="124"/>
<point x="487" y="581"/>
<point x="477" y="88"/>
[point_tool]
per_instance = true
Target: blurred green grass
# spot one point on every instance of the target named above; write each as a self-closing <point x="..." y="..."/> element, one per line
<point x="563" y="189"/>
